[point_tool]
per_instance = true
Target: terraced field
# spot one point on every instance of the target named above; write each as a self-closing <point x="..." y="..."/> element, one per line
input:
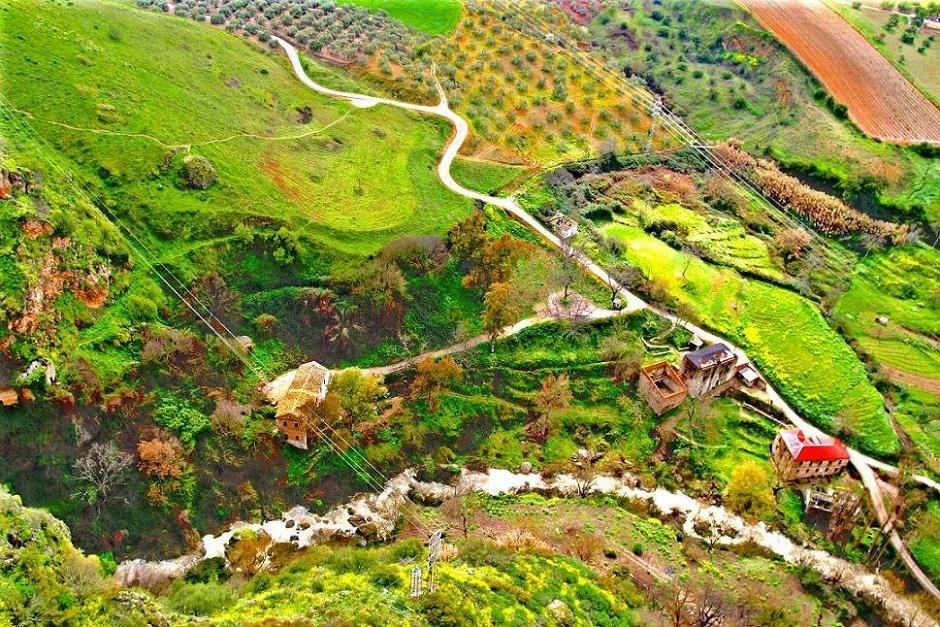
<point x="783" y="332"/>
<point x="880" y="99"/>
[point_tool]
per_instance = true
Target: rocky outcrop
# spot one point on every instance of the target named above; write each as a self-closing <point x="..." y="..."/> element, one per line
<point x="13" y="182"/>
<point x="153" y="575"/>
<point x="372" y="517"/>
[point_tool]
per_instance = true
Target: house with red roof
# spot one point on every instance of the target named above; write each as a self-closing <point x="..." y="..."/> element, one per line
<point x="801" y="457"/>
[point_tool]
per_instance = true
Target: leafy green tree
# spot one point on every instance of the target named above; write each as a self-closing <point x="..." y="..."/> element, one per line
<point x="180" y="417"/>
<point x="358" y="396"/>
<point x="553" y="397"/>
<point x="500" y="309"/>
<point x="749" y="492"/>
<point x="467" y="238"/>
<point x="433" y="376"/>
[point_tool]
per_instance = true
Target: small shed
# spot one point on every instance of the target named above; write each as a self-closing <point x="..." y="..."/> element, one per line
<point x="749" y="377"/>
<point x="565" y="228"/>
<point x="8" y="397"/>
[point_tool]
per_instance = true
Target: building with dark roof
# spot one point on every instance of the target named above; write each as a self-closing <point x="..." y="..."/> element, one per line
<point x="801" y="457"/>
<point x="707" y="368"/>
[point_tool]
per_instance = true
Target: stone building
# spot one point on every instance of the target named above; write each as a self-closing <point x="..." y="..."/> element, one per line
<point x="307" y="389"/>
<point x="708" y="367"/>
<point x="662" y="387"/>
<point x="801" y="457"/>
<point x="565" y="228"/>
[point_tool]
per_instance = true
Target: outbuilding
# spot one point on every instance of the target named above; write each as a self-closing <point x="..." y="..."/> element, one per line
<point x="307" y="389"/>
<point x="662" y="387"/>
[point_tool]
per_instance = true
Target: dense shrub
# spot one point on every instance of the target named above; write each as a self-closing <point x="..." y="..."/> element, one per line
<point x="211" y="570"/>
<point x="182" y="418"/>
<point x="197" y="172"/>
<point x="200" y="599"/>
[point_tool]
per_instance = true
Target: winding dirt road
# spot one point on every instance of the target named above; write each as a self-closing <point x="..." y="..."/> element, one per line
<point x="862" y="463"/>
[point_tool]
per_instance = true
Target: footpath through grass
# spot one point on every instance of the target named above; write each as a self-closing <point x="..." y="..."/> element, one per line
<point x="783" y="332"/>
<point x="93" y="66"/>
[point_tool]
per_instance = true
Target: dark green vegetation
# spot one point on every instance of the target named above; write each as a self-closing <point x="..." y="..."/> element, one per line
<point x="730" y="78"/>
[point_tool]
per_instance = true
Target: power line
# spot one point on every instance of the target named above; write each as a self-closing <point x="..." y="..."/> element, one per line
<point x="670" y="121"/>
<point x="148" y="258"/>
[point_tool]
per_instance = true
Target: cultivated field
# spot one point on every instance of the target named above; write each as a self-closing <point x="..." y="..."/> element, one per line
<point x="880" y="99"/>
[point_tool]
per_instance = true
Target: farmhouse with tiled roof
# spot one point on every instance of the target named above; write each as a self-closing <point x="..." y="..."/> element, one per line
<point x="801" y="457"/>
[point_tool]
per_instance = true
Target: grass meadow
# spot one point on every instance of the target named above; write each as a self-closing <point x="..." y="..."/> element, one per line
<point x="434" y="17"/>
<point x="783" y="332"/>
<point x="318" y="166"/>
<point x="900" y="286"/>
<point x="485" y="176"/>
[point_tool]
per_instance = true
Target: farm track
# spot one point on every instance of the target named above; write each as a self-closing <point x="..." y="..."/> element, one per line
<point x="880" y="100"/>
<point x="864" y="464"/>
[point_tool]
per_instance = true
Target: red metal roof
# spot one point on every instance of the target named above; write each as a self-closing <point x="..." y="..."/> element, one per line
<point x="813" y="448"/>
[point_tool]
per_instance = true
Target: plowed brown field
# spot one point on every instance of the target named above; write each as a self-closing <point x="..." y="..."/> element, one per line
<point x="881" y="101"/>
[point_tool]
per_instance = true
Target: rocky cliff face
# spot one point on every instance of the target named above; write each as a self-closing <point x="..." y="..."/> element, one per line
<point x="14" y="181"/>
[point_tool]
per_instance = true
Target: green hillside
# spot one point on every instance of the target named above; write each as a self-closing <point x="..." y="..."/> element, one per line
<point x="89" y="80"/>
<point x="434" y="17"/>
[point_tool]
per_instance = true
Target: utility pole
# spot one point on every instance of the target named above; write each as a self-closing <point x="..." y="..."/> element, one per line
<point x="434" y="553"/>
<point x="655" y="111"/>
<point x="416" y="582"/>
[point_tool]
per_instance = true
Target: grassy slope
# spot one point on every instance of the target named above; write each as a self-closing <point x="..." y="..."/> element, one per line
<point x="484" y="176"/>
<point x="434" y="17"/>
<point x="901" y="285"/>
<point x="782" y="331"/>
<point x="724" y="239"/>
<point x="206" y="85"/>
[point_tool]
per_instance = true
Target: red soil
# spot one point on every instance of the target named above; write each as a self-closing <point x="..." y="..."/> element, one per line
<point x="881" y="101"/>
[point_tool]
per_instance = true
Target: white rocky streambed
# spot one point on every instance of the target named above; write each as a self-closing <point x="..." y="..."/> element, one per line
<point x="373" y="516"/>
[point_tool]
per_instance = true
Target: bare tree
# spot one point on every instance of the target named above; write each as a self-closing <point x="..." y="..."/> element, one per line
<point x="710" y="607"/>
<point x="102" y="469"/>
<point x="623" y="275"/>
<point x="584" y="476"/>
<point x="459" y="507"/>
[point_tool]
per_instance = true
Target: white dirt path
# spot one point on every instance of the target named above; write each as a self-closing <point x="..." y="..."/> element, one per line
<point x="862" y="463"/>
